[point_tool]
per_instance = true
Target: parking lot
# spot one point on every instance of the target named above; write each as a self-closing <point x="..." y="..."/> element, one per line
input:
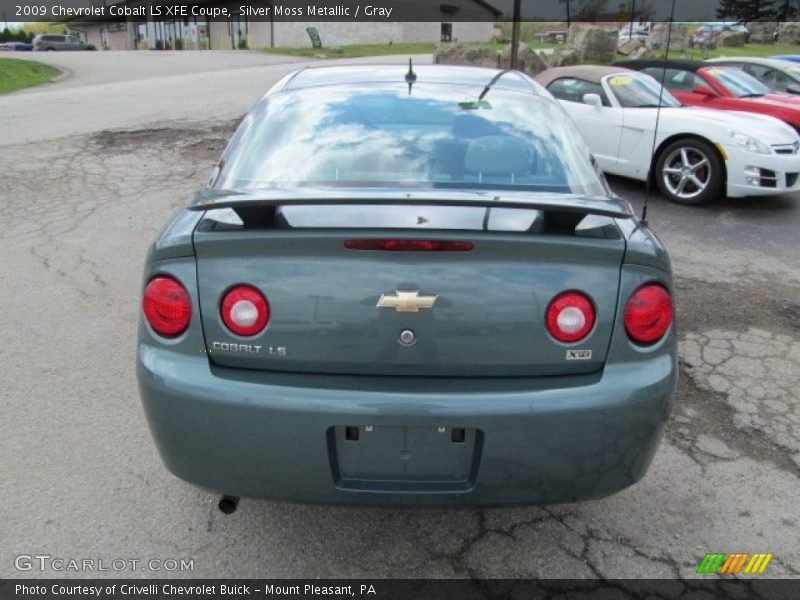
<point x="91" y="169"/>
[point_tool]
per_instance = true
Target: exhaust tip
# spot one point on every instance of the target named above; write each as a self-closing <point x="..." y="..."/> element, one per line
<point x="228" y="504"/>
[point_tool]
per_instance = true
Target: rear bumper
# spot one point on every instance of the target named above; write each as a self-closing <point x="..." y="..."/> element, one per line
<point x="268" y="435"/>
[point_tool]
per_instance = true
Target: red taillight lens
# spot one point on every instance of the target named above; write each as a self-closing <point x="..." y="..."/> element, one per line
<point x="648" y="313"/>
<point x="570" y="316"/>
<point x="410" y="245"/>
<point x="166" y="305"/>
<point x="244" y="310"/>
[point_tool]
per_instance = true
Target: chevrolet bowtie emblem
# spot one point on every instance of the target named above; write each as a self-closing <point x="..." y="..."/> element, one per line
<point x="406" y="301"/>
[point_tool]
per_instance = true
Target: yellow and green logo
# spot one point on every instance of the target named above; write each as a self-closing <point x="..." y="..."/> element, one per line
<point x="731" y="564"/>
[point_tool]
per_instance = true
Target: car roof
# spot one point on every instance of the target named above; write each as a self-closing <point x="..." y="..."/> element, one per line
<point x="756" y="60"/>
<point x="684" y="64"/>
<point x="593" y="73"/>
<point x="439" y="74"/>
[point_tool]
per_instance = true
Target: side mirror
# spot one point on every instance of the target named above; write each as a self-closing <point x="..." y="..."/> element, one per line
<point x="593" y="100"/>
<point x="793" y="88"/>
<point x="703" y="90"/>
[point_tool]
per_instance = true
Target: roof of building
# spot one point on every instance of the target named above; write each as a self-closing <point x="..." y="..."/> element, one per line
<point x="488" y="6"/>
<point x="592" y="73"/>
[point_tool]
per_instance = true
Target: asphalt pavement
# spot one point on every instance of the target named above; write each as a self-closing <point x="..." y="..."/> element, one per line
<point x="92" y="166"/>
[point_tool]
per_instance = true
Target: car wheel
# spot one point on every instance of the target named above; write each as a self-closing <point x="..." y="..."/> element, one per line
<point x="690" y="172"/>
<point x="49" y="49"/>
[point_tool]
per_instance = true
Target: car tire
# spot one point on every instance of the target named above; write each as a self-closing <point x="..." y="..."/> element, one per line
<point x="690" y="171"/>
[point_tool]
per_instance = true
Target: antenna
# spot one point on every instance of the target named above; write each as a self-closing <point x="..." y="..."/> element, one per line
<point x="411" y="77"/>
<point x="658" y="115"/>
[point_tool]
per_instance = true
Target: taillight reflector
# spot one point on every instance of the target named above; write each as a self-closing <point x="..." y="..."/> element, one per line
<point x="409" y="245"/>
<point x="244" y="310"/>
<point x="648" y="313"/>
<point x="166" y="305"/>
<point x="570" y="316"/>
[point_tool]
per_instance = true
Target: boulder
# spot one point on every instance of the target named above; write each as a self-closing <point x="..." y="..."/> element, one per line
<point x="629" y="46"/>
<point x="732" y="39"/>
<point x="789" y="33"/>
<point x="679" y="39"/>
<point x="565" y="57"/>
<point x="593" y="43"/>
<point x="642" y="52"/>
<point x="458" y="54"/>
<point x="529" y="61"/>
<point x="762" y="32"/>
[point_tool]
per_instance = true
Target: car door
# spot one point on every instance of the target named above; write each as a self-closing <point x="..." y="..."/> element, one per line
<point x="73" y="43"/>
<point x="600" y="126"/>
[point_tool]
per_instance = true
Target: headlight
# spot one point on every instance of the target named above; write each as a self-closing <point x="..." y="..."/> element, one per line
<point x="750" y="143"/>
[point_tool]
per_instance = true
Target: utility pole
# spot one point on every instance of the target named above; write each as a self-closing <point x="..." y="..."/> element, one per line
<point x="515" y="35"/>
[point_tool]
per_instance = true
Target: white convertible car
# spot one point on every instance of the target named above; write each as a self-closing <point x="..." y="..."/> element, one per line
<point x="700" y="153"/>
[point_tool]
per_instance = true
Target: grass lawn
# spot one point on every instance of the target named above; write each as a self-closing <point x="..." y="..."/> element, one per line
<point x="16" y="74"/>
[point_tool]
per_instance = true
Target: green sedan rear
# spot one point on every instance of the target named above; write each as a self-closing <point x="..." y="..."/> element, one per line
<point x="407" y="288"/>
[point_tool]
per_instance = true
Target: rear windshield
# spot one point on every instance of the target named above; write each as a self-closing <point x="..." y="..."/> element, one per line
<point x="434" y="136"/>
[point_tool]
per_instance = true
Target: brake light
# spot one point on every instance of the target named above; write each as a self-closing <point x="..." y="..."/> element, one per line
<point x="244" y="310"/>
<point x="166" y="306"/>
<point x="410" y="245"/>
<point x="570" y="316"/>
<point x="648" y="313"/>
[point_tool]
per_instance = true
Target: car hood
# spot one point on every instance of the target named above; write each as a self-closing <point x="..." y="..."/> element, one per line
<point x="769" y="130"/>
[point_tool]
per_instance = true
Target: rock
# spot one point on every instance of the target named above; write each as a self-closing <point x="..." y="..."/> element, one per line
<point x="642" y="52"/>
<point x="528" y="60"/>
<point x="457" y="54"/>
<point x="789" y="33"/>
<point x="732" y="39"/>
<point x="678" y="40"/>
<point x="565" y="57"/>
<point x="593" y="43"/>
<point x="762" y="32"/>
<point x="627" y="47"/>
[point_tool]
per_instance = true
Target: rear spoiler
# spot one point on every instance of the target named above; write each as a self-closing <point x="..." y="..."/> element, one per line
<point x="208" y="199"/>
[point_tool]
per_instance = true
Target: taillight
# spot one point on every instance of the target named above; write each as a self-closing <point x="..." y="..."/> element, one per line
<point x="244" y="310"/>
<point x="648" y="313"/>
<point x="166" y="305"/>
<point x="570" y="316"/>
<point x="409" y="245"/>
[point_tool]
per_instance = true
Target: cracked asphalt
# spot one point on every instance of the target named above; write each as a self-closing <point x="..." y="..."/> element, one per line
<point x="81" y="477"/>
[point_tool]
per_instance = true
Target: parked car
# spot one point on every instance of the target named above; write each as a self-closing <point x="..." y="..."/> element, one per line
<point x="709" y="33"/>
<point x="407" y="288"/>
<point x="16" y="47"/>
<point x="790" y="57"/>
<point x="637" y="33"/>
<point x="715" y="86"/>
<point x="700" y="154"/>
<point x="777" y="75"/>
<point x="57" y="41"/>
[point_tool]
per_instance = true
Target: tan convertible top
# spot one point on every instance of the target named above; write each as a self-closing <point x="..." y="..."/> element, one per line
<point x="591" y="73"/>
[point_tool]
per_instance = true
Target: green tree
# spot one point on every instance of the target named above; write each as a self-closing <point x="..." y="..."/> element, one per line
<point x="748" y="10"/>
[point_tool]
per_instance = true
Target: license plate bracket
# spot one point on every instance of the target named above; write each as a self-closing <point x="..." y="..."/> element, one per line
<point x="405" y="459"/>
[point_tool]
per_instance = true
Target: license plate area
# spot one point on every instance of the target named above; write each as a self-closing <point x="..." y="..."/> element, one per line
<point x="404" y="459"/>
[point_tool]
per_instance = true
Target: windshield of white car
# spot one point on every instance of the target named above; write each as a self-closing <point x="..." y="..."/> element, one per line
<point x="640" y="91"/>
<point x="739" y="83"/>
<point x="437" y="136"/>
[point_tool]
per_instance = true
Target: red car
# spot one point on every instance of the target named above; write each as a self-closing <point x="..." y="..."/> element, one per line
<point x="698" y="83"/>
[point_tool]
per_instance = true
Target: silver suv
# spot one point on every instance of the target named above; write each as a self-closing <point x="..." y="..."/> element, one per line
<point x="58" y="41"/>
